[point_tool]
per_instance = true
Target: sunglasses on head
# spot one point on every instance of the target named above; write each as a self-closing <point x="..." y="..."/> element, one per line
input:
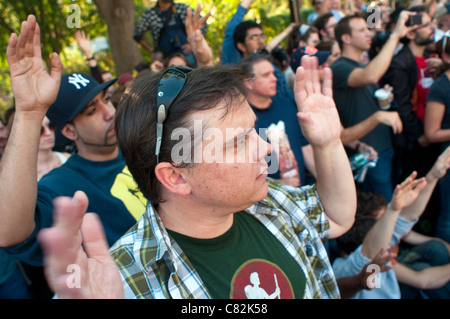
<point x="170" y="85"/>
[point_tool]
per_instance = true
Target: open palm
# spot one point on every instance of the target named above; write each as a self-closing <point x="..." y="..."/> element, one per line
<point x="318" y="115"/>
<point x="33" y="87"/>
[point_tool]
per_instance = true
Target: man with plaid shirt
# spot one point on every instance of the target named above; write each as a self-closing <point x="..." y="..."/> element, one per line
<point x="213" y="228"/>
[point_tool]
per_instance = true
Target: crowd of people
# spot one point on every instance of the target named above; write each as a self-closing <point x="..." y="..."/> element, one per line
<point x="305" y="169"/>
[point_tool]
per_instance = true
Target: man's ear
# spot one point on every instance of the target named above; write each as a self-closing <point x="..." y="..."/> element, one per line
<point x="172" y="178"/>
<point x="241" y="47"/>
<point x="69" y="131"/>
<point x="411" y="35"/>
<point x="346" y="38"/>
<point x="248" y="83"/>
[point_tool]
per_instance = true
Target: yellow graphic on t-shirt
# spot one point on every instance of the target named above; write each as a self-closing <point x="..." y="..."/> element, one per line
<point x="126" y="189"/>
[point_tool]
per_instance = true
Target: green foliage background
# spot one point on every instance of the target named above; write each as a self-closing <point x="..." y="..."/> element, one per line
<point x="56" y="36"/>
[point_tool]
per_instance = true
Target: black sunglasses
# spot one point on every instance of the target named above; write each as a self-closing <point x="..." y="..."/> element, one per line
<point x="49" y="126"/>
<point x="170" y="85"/>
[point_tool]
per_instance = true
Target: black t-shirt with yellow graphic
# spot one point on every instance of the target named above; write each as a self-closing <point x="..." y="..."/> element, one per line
<point x="247" y="262"/>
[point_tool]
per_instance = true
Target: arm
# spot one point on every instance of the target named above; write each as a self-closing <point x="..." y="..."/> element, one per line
<point x="229" y="51"/>
<point x="362" y="128"/>
<point x="321" y="126"/>
<point x="279" y="37"/>
<point x="433" y="121"/>
<point x="308" y="157"/>
<point x="85" y="47"/>
<point x="379" y="236"/>
<point x="414" y="238"/>
<point x="428" y="278"/>
<point x="438" y="171"/>
<point x="142" y="27"/>
<point x="34" y="91"/>
<point x="349" y="286"/>
<point x="375" y="69"/>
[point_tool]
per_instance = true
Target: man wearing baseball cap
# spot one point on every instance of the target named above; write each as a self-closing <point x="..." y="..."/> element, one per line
<point x="84" y="115"/>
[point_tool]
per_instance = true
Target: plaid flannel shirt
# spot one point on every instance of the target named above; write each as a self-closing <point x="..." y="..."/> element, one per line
<point x="151" y="20"/>
<point x="152" y="264"/>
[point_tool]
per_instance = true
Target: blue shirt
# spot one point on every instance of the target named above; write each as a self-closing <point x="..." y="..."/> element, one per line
<point x="282" y="109"/>
<point x="111" y="191"/>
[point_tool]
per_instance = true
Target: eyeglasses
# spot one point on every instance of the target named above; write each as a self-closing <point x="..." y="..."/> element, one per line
<point x="255" y="37"/>
<point x="170" y="85"/>
<point x="48" y="126"/>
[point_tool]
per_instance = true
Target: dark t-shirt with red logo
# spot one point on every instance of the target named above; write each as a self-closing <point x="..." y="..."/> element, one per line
<point x="247" y="262"/>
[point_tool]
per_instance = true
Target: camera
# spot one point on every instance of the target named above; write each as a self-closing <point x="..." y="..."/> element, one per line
<point x="414" y="20"/>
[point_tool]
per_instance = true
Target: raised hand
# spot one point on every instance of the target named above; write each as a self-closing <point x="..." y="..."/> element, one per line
<point x="200" y="47"/>
<point x="83" y="42"/>
<point x="33" y="87"/>
<point x="76" y="246"/>
<point x="407" y="192"/>
<point x="441" y="165"/>
<point x="318" y="115"/>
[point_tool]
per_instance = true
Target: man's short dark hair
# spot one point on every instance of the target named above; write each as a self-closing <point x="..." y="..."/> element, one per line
<point x="247" y="63"/>
<point x="368" y="205"/>
<point x="343" y="27"/>
<point x="205" y="89"/>
<point x="240" y="33"/>
<point x="321" y="21"/>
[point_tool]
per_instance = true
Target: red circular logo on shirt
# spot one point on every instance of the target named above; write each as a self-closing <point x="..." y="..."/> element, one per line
<point x="260" y="279"/>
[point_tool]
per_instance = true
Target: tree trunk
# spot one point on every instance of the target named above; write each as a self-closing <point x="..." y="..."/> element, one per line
<point x="119" y="17"/>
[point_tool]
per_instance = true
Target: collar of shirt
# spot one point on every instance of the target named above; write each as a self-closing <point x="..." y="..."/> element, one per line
<point x="282" y="213"/>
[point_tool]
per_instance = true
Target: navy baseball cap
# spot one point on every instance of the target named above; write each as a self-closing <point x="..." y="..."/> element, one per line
<point x="75" y="92"/>
<point x="296" y="57"/>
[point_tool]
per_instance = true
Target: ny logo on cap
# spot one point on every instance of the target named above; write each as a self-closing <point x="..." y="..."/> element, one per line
<point x="77" y="80"/>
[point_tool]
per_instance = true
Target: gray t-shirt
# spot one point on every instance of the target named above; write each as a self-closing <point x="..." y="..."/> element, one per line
<point x="355" y="104"/>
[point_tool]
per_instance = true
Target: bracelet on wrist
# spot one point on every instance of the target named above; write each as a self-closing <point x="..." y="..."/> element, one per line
<point x="91" y="58"/>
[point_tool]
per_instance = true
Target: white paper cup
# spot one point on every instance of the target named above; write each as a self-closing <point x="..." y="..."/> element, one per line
<point x="383" y="98"/>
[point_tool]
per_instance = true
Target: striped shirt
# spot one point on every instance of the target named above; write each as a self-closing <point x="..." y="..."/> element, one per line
<point x="152" y="264"/>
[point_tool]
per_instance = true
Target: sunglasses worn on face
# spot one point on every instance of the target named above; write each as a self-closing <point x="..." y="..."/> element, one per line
<point x="49" y="126"/>
<point x="170" y="85"/>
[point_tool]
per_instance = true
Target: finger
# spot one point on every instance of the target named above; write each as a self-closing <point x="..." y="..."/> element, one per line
<point x="37" y="42"/>
<point x="197" y="12"/>
<point x="56" y="67"/>
<point x="299" y="87"/>
<point x="11" y="49"/>
<point x="203" y="19"/>
<point x="409" y="179"/>
<point x="317" y="88"/>
<point x="419" y="184"/>
<point x="306" y="63"/>
<point x="189" y="24"/>
<point x="69" y="212"/>
<point x="94" y="238"/>
<point x="29" y="46"/>
<point x="24" y="30"/>
<point x="327" y="83"/>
